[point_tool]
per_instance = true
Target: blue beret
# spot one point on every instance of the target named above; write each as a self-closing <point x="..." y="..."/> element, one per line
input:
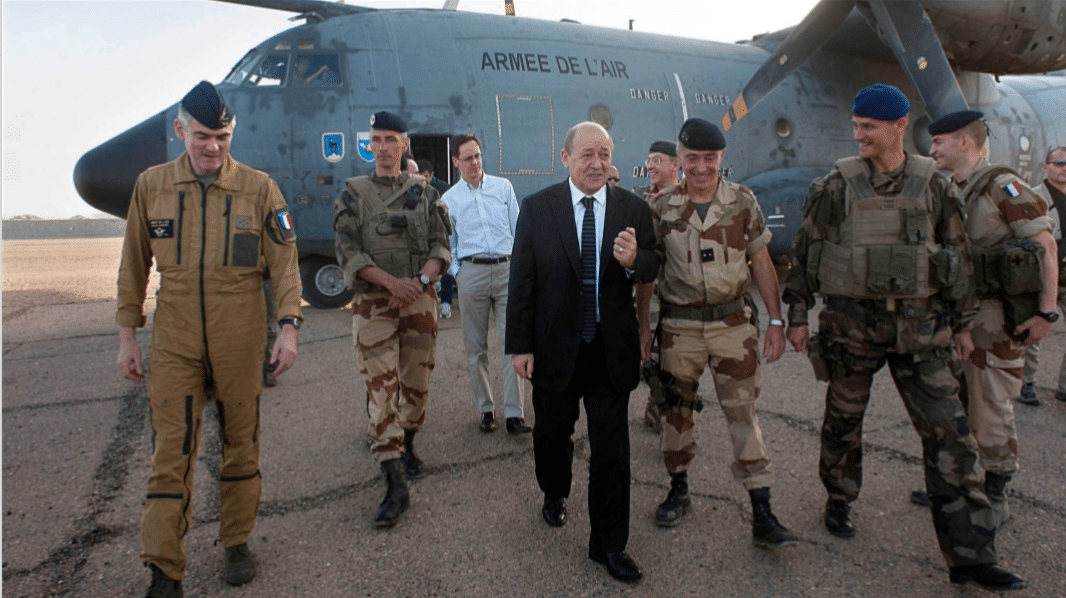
<point x="207" y="106"/>
<point x="949" y="123"/>
<point x="698" y="134"/>
<point x="388" y="121"/>
<point x="664" y="147"/>
<point x="882" y="102"/>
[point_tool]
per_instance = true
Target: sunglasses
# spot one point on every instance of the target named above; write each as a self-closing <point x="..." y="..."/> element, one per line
<point x="1058" y="162"/>
<point x="614" y="179"/>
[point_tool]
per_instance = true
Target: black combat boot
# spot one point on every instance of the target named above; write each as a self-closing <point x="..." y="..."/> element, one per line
<point x="397" y="498"/>
<point x="411" y="463"/>
<point x="677" y="501"/>
<point x="987" y="576"/>
<point x="838" y="518"/>
<point x="238" y="565"/>
<point x="766" y="530"/>
<point x="996" y="489"/>
<point x="163" y="586"/>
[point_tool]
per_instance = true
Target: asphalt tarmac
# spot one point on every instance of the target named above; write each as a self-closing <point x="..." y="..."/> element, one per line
<point x="76" y="444"/>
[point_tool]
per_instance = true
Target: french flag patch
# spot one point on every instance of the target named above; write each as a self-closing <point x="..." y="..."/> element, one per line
<point x="1013" y="189"/>
<point x="285" y="220"/>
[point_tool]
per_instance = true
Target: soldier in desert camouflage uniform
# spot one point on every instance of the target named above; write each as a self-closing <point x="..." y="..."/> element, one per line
<point x="1000" y="210"/>
<point x="392" y="242"/>
<point x="895" y="210"/>
<point x="706" y="230"/>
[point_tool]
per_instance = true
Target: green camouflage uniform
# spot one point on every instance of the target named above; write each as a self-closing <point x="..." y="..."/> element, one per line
<point x="396" y="347"/>
<point x="914" y="337"/>
<point x="705" y="264"/>
<point x="994" y="371"/>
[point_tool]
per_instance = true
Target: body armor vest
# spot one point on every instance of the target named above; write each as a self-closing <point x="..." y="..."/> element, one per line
<point x="395" y="232"/>
<point x="885" y="242"/>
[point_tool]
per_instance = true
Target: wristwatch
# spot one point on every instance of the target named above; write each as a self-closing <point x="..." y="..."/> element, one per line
<point x="294" y="321"/>
<point x="422" y="278"/>
<point x="774" y="322"/>
<point x="1051" y="316"/>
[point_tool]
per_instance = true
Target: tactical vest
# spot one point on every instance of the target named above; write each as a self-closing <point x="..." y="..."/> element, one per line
<point x="885" y="242"/>
<point x="395" y="232"/>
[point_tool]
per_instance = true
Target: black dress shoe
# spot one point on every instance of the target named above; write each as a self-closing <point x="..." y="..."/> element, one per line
<point x="516" y="425"/>
<point x="620" y="565"/>
<point x="554" y="511"/>
<point x="488" y="422"/>
<point x="987" y="576"/>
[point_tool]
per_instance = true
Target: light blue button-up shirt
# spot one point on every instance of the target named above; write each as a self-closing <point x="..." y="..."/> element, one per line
<point x="599" y="209"/>
<point x="483" y="219"/>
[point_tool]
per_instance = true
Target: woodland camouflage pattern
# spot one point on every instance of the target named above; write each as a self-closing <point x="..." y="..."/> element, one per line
<point x="859" y="336"/>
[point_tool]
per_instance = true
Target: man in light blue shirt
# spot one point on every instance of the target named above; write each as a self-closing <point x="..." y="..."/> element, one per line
<point x="484" y="212"/>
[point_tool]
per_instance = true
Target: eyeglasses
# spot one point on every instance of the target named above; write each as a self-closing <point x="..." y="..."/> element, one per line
<point x="657" y="160"/>
<point x="470" y="158"/>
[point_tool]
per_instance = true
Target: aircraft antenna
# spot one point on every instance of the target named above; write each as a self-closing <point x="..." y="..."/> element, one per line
<point x="508" y="7"/>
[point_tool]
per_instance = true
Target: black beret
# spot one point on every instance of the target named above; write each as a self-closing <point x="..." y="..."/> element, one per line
<point x="698" y="134"/>
<point x="882" y="102"/>
<point x="388" y="121"/>
<point x="949" y="123"/>
<point x="664" y="147"/>
<point x="207" y="106"/>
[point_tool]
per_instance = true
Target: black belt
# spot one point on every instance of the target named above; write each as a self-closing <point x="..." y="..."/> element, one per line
<point x="486" y="261"/>
<point x="710" y="313"/>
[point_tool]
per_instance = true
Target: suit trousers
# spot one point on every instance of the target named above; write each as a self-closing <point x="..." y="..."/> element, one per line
<point x="484" y="296"/>
<point x="607" y="411"/>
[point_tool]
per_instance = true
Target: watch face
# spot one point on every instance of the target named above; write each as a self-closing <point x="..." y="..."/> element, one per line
<point x="424" y="279"/>
<point x="1053" y="316"/>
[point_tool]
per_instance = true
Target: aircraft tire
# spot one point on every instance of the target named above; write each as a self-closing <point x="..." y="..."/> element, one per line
<point x="323" y="283"/>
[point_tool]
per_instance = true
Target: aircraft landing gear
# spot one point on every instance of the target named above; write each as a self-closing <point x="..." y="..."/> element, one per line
<point x="323" y="283"/>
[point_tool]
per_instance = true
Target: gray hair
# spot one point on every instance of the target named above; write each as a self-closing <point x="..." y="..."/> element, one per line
<point x="568" y="143"/>
<point x="185" y="118"/>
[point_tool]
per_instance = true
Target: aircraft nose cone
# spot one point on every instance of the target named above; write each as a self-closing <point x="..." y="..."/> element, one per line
<point x="105" y="175"/>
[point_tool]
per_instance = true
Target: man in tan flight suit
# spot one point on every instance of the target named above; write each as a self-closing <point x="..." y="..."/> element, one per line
<point x="392" y="243"/>
<point x="211" y="224"/>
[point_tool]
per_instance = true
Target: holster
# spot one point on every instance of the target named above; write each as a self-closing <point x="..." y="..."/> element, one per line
<point x="817" y="351"/>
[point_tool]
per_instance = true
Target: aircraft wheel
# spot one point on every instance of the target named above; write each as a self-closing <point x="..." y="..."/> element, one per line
<point x="323" y="283"/>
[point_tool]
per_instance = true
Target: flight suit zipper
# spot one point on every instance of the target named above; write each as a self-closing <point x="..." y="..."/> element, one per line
<point x="181" y="216"/>
<point x="203" y="299"/>
<point x="225" y="248"/>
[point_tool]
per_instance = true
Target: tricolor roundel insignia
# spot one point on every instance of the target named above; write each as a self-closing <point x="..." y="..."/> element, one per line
<point x="333" y="146"/>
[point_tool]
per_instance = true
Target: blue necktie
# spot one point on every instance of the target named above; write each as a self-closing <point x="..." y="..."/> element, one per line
<point x="588" y="272"/>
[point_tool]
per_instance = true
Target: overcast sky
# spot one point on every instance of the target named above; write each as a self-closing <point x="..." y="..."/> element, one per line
<point x="76" y="73"/>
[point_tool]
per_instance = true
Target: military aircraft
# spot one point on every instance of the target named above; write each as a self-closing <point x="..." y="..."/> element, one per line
<point x="304" y="98"/>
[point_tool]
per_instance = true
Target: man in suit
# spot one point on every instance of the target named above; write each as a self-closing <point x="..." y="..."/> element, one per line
<point x="580" y="245"/>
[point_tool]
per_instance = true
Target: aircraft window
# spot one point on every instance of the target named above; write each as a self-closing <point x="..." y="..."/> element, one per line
<point x="271" y="71"/>
<point x="241" y="70"/>
<point x="283" y="45"/>
<point x="319" y="70"/>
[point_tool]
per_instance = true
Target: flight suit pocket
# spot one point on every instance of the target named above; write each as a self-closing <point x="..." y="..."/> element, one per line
<point x="245" y="250"/>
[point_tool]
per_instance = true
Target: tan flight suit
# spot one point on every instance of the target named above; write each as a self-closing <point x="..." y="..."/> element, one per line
<point x="994" y="371"/>
<point x="396" y="347"/>
<point x="210" y="247"/>
<point x="702" y="283"/>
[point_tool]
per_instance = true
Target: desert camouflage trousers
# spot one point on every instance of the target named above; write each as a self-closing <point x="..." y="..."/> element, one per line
<point x="397" y="352"/>
<point x="859" y="343"/>
<point x="993" y="378"/>
<point x="731" y="348"/>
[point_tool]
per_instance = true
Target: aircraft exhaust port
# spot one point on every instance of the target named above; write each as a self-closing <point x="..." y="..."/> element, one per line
<point x="323" y="283"/>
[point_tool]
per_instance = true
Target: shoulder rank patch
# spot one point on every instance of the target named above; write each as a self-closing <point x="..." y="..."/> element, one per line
<point x="161" y="229"/>
<point x="1012" y="189"/>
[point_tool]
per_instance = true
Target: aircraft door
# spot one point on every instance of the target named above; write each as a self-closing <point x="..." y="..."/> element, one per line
<point x="526" y="126"/>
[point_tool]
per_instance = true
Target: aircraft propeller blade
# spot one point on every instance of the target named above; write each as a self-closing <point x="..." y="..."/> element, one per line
<point x="803" y="42"/>
<point x="922" y="57"/>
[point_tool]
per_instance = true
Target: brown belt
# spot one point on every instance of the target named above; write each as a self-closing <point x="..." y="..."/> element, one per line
<point x="486" y="261"/>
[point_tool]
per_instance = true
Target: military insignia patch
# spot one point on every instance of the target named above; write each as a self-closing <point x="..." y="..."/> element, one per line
<point x="161" y="229"/>
<point x="1013" y="189"/>
<point x="285" y="220"/>
<point x="362" y="141"/>
<point x="333" y="146"/>
<point x="244" y="222"/>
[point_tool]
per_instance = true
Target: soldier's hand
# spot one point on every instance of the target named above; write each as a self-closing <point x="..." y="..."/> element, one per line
<point x="645" y="343"/>
<point x="406" y="290"/>
<point x="523" y="364"/>
<point x="963" y="345"/>
<point x="625" y="247"/>
<point x="129" y="355"/>
<point x="283" y="354"/>
<point x="774" y="345"/>
<point x="798" y="337"/>
<point x="1038" y="328"/>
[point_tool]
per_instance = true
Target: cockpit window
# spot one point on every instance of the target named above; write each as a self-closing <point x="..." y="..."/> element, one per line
<point x="316" y="70"/>
<point x="241" y="70"/>
<point x="271" y="71"/>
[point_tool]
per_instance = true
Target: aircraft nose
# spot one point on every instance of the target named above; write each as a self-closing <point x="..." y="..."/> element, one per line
<point x="105" y="175"/>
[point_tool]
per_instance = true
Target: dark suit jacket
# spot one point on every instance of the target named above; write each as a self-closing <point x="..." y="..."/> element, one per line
<point x="544" y="298"/>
